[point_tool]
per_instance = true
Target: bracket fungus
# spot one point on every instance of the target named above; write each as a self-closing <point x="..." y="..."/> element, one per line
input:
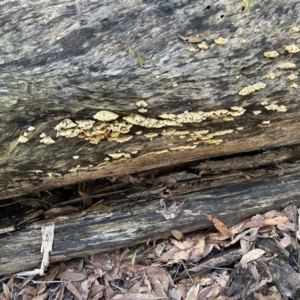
<point x="105" y="115"/>
<point x="252" y="88"/>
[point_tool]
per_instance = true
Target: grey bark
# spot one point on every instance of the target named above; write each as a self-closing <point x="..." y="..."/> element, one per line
<point x="71" y="59"/>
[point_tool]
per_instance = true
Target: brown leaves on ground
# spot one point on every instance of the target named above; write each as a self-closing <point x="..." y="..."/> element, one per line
<point x="206" y="265"/>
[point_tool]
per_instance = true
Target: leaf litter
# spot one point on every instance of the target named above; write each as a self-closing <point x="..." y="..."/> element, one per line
<point x="199" y="265"/>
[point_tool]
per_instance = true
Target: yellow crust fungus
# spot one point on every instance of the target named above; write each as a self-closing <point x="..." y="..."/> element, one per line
<point x="155" y="152"/>
<point x="192" y="49"/>
<point x="171" y="132"/>
<point x="120" y="139"/>
<point x="271" y="76"/>
<point x="239" y="128"/>
<point x="22" y="139"/>
<point x="292" y="48"/>
<point x="75" y="156"/>
<point x="65" y="124"/>
<point x="105" y="115"/>
<point x="148" y="122"/>
<point x="264" y="103"/>
<point x="292" y="77"/>
<point x="202" y="46"/>
<point x="138" y="132"/>
<point x="252" y="88"/>
<point x="119" y="155"/>
<point x="287" y="65"/>
<point x="221" y="41"/>
<point x="278" y="108"/>
<point x="168" y="116"/>
<point x="142" y="110"/>
<point x="256" y="30"/>
<point x="294" y="85"/>
<point x="30" y="128"/>
<point x="257" y="112"/>
<point x="265" y="122"/>
<point x="25" y="133"/>
<point x="42" y="135"/>
<point x="242" y="41"/>
<point x="271" y="54"/>
<point x="183" y="147"/>
<point x="47" y="140"/>
<point x="214" y="142"/>
<point x="141" y="103"/>
<point x="85" y="124"/>
<point x="151" y="135"/>
<point x="295" y="29"/>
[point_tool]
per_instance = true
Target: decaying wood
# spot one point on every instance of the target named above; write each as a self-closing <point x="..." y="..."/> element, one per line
<point x="66" y="59"/>
<point x="141" y="216"/>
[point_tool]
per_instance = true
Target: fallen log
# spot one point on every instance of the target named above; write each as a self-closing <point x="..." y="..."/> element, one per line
<point x="91" y="89"/>
<point x="135" y="216"/>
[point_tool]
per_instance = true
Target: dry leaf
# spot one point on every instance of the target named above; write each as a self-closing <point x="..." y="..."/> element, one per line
<point x="56" y="211"/>
<point x="71" y="276"/>
<point x="87" y="200"/>
<point x="6" y="291"/>
<point x="193" y="292"/>
<point x="70" y="286"/>
<point x="251" y="255"/>
<point x="219" y="225"/>
<point x="192" y="39"/>
<point x="133" y="297"/>
<point x="177" y="234"/>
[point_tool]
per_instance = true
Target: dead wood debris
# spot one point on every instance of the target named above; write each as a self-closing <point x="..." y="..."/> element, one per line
<point x="254" y="259"/>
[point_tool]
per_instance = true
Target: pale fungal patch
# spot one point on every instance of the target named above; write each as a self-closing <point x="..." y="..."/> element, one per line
<point x="287" y="65"/>
<point x="119" y="155"/>
<point x="183" y="147"/>
<point x="25" y="134"/>
<point x="148" y="122"/>
<point x="30" y="128"/>
<point x="138" y="132"/>
<point x="155" y="152"/>
<point x="52" y="174"/>
<point x="85" y="124"/>
<point x="271" y="54"/>
<point x="271" y="76"/>
<point x="107" y="159"/>
<point x="192" y="49"/>
<point x="142" y="110"/>
<point x="242" y="41"/>
<point x="264" y="103"/>
<point x="239" y="128"/>
<point x="228" y="119"/>
<point x="22" y="139"/>
<point x="141" y="103"/>
<point x="252" y="88"/>
<point x="214" y="142"/>
<point x="47" y="140"/>
<point x="134" y="152"/>
<point x="275" y="107"/>
<point x="295" y="29"/>
<point x="294" y="85"/>
<point x="168" y="116"/>
<point x="174" y="84"/>
<point x="105" y="115"/>
<point x="120" y="139"/>
<point x="265" y="122"/>
<point x="292" y="77"/>
<point x="42" y="135"/>
<point x="221" y="41"/>
<point x="256" y="30"/>
<point x="257" y="112"/>
<point x="202" y="46"/>
<point x="79" y="168"/>
<point x="75" y="156"/>
<point x="172" y="132"/>
<point x="65" y="124"/>
<point x="237" y="108"/>
<point x="292" y="48"/>
<point x="151" y="135"/>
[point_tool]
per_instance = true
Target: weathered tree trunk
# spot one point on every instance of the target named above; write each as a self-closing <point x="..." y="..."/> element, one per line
<point x="71" y="59"/>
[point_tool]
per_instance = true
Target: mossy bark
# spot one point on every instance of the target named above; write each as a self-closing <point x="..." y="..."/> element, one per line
<point x="71" y="59"/>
